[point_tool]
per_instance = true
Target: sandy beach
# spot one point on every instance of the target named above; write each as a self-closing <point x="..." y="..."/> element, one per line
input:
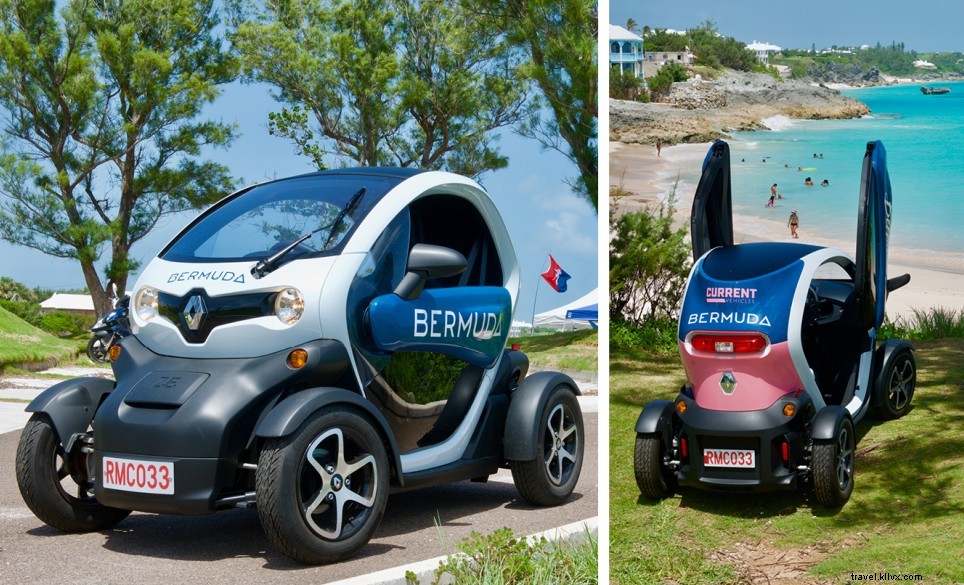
<point x="937" y="278"/>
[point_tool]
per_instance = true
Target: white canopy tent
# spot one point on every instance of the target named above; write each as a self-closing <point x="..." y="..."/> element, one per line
<point x="556" y="318"/>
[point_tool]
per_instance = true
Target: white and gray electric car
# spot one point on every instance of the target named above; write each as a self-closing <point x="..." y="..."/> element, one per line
<point x="258" y="371"/>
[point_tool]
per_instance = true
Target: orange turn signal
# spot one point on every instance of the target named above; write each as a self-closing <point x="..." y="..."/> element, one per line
<point x="680" y="407"/>
<point x="114" y="352"/>
<point x="297" y="358"/>
<point x="789" y="409"/>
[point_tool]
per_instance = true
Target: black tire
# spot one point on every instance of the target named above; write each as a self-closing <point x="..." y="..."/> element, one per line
<point x="51" y="493"/>
<point x="897" y="390"/>
<point x="833" y="466"/>
<point x="548" y="480"/>
<point x="336" y="456"/>
<point x="97" y="349"/>
<point x="654" y="480"/>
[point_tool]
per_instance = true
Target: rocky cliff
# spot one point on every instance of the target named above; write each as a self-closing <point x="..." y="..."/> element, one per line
<point x="701" y="111"/>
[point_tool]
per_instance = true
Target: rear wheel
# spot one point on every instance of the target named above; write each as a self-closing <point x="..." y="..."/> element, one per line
<point x="897" y="390"/>
<point x="548" y="480"/>
<point x="55" y="485"/>
<point x="654" y="480"/>
<point x="322" y="490"/>
<point x="833" y="466"/>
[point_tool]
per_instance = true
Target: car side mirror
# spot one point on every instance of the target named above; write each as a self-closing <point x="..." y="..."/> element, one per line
<point x="424" y="262"/>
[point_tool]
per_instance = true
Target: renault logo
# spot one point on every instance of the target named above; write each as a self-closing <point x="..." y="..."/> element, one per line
<point x="727" y="383"/>
<point x="194" y="312"/>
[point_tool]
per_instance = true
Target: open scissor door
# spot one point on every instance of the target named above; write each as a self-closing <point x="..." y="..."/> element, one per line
<point x="711" y="222"/>
<point x="873" y="234"/>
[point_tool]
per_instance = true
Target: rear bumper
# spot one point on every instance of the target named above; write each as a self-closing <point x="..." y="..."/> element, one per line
<point x="195" y="485"/>
<point x="762" y="431"/>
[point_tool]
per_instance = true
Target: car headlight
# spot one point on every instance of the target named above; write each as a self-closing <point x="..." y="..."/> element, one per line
<point x="145" y="303"/>
<point x="289" y="306"/>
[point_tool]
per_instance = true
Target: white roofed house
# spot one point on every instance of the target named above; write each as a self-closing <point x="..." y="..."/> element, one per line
<point x="78" y="304"/>
<point x="763" y="51"/>
<point x="626" y="50"/>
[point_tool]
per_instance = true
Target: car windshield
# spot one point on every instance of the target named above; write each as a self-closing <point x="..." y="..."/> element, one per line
<point x="261" y="221"/>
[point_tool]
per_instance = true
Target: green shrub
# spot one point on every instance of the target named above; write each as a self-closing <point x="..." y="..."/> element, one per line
<point x="64" y="324"/>
<point x="667" y="75"/>
<point x="624" y="85"/>
<point x="656" y="336"/>
<point x="925" y="325"/>
<point x="504" y="558"/>
<point x="26" y="310"/>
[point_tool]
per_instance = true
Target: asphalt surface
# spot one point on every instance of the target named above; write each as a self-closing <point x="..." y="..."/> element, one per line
<point x="145" y="548"/>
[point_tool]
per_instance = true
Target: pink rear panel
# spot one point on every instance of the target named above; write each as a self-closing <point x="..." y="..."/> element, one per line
<point x="761" y="378"/>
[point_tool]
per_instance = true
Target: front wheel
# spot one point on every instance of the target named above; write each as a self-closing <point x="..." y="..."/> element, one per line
<point x="548" y="480"/>
<point x="322" y="490"/>
<point x="55" y="485"/>
<point x="97" y="349"/>
<point x="897" y="389"/>
<point x="653" y="479"/>
<point x="833" y="466"/>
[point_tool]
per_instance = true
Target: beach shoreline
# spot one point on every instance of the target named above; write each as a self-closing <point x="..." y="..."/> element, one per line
<point x="937" y="277"/>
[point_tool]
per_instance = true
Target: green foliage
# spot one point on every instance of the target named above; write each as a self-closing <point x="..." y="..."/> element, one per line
<point x="422" y="377"/>
<point x="648" y="265"/>
<point x="624" y="85"/>
<point x="64" y="324"/>
<point x="10" y="288"/>
<point x="931" y="324"/>
<point x="21" y="343"/>
<point x="559" y="38"/>
<point x="104" y="131"/>
<point x="28" y="311"/>
<point x="504" y="558"/>
<point x="658" y="40"/>
<point x="656" y="336"/>
<point x="573" y="350"/>
<point x="718" y="51"/>
<point x="668" y="74"/>
<point x="384" y="82"/>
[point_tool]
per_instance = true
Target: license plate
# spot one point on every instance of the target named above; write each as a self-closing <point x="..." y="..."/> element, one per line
<point x="742" y="458"/>
<point x="132" y="475"/>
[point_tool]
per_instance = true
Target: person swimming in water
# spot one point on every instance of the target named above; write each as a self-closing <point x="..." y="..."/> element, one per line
<point x="808" y="182"/>
<point x="825" y="183"/>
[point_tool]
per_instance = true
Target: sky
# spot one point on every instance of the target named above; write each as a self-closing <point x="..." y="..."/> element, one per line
<point x="539" y="209"/>
<point x="922" y="25"/>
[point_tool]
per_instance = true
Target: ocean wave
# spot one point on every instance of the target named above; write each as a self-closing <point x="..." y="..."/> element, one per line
<point x="778" y="123"/>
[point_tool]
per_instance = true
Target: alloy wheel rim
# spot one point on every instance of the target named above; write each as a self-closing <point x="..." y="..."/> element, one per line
<point x="338" y="484"/>
<point x="845" y="458"/>
<point x="561" y="444"/>
<point x="900" y="381"/>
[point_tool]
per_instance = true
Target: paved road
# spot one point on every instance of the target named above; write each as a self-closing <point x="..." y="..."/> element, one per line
<point x="160" y="548"/>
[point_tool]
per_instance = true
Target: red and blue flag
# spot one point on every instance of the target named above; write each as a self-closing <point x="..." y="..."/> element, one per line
<point x="557" y="278"/>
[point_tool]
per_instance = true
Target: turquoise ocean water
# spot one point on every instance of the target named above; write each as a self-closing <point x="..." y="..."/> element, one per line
<point x="924" y="139"/>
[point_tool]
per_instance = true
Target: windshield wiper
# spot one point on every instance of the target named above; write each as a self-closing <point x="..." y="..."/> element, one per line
<point x="348" y="208"/>
<point x="270" y="263"/>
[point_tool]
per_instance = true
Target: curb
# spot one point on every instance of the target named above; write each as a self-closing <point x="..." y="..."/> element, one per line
<point x="425" y="570"/>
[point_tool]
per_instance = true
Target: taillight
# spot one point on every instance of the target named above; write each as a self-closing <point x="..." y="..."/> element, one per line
<point x="684" y="447"/>
<point x="785" y="452"/>
<point x="729" y="343"/>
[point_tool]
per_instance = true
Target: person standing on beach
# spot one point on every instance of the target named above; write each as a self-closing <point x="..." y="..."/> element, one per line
<point x="659" y="148"/>
<point x="773" y="191"/>
<point x="792" y="223"/>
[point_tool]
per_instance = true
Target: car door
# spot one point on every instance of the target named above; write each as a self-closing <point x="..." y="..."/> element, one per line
<point x="873" y="235"/>
<point x="711" y="221"/>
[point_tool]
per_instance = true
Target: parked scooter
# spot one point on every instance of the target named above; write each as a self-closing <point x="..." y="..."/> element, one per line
<point x="109" y="329"/>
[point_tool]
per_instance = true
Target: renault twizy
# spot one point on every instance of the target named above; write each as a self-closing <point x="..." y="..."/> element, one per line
<point x="778" y="341"/>
<point x="259" y="370"/>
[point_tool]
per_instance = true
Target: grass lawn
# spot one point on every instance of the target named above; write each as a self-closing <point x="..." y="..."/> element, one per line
<point x="906" y="514"/>
<point x="574" y="350"/>
<point x="21" y="342"/>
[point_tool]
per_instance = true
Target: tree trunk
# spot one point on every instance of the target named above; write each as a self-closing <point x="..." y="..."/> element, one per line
<point x="98" y="294"/>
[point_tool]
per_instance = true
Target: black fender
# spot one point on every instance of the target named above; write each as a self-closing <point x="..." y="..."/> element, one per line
<point x="657" y="417"/>
<point x="826" y="422"/>
<point x="882" y="357"/>
<point x="290" y="413"/>
<point x="525" y="410"/>
<point x="71" y="404"/>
